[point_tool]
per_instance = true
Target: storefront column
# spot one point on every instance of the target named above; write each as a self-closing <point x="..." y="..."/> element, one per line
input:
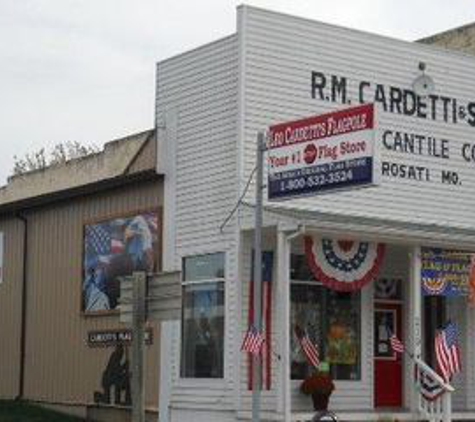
<point x="416" y="316"/>
<point x="283" y="311"/>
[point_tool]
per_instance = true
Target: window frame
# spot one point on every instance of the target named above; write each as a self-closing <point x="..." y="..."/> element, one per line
<point x="184" y="284"/>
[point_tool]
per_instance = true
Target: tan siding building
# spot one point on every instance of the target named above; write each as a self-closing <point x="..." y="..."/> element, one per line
<point x="51" y="208"/>
<point x="460" y="39"/>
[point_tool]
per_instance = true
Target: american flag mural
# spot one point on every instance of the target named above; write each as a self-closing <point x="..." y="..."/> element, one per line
<point x="267" y="264"/>
<point x="115" y="248"/>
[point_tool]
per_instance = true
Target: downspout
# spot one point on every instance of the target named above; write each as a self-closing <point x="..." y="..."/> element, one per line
<point x="21" y="383"/>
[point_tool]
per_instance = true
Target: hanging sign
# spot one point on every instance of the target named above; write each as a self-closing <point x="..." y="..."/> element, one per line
<point x="343" y="265"/>
<point x="111" y="338"/>
<point x="446" y="272"/>
<point x="321" y="153"/>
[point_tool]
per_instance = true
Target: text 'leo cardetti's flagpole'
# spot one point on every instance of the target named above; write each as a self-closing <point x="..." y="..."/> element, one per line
<point x="256" y="379"/>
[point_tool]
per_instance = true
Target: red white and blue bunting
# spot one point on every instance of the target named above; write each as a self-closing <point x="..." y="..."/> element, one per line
<point x="343" y="265"/>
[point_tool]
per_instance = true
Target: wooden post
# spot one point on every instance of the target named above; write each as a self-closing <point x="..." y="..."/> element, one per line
<point x="447" y="407"/>
<point x="138" y="321"/>
<point x="257" y="362"/>
<point x="416" y="320"/>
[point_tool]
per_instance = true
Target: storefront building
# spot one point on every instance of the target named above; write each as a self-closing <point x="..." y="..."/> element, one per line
<point x="413" y="201"/>
<point x="67" y="234"/>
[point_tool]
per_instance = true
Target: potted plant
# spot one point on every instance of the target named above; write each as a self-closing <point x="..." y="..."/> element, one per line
<point x="320" y="386"/>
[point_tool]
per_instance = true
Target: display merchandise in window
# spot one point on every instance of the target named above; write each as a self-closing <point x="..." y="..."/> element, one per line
<point x="332" y="321"/>
<point x="202" y="345"/>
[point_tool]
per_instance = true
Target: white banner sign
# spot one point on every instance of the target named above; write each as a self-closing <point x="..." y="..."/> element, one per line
<point x="320" y="153"/>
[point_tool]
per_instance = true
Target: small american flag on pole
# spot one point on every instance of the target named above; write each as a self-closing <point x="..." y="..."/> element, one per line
<point x="253" y="341"/>
<point x="309" y="349"/>
<point x="447" y="351"/>
<point x="396" y="344"/>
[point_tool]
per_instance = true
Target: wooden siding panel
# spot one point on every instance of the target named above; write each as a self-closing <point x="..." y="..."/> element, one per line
<point x="60" y="367"/>
<point x="280" y="54"/>
<point x="201" y="88"/>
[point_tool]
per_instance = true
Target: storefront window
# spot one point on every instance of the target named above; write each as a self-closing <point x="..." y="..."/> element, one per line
<point x="202" y="345"/>
<point x="332" y="321"/>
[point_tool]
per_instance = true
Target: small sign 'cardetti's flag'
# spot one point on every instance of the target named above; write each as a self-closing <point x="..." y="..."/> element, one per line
<point x="309" y="349"/>
<point x="253" y="341"/>
<point x="447" y="351"/>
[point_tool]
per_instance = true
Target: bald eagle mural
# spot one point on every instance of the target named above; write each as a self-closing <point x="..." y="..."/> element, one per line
<point x="115" y="248"/>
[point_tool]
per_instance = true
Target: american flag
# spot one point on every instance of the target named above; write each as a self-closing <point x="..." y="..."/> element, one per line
<point x="253" y="341"/>
<point x="447" y="351"/>
<point x="396" y="344"/>
<point x="309" y="349"/>
<point x="98" y="239"/>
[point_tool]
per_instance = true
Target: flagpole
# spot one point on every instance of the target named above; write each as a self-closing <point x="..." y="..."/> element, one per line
<point x="256" y="378"/>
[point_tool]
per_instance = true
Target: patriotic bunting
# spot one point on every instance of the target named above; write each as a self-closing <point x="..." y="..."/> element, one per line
<point x="343" y="265"/>
<point x="430" y="389"/>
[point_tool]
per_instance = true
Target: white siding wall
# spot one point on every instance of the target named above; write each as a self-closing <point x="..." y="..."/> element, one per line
<point x="197" y="104"/>
<point x="281" y="52"/>
<point x="213" y="101"/>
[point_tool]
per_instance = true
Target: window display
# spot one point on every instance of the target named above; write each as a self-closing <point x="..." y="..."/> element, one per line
<point x="331" y="320"/>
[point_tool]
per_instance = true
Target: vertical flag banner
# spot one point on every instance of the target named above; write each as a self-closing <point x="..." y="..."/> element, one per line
<point x="447" y="351"/>
<point x="267" y="264"/>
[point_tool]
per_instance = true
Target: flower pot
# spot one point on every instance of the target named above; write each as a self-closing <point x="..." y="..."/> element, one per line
<point x="320" y="401"/>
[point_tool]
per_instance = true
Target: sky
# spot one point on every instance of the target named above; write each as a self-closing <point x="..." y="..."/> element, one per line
<point x="83" y="70"/>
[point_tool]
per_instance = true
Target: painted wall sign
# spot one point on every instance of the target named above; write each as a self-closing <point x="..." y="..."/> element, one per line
<point x="320" y="153"/>
<point x="392" y="99"/>
<point x="405" y="102"/>
<point x="424" y="144"/>
<point x="111" y="338"/>
<point x="445" y="272"/>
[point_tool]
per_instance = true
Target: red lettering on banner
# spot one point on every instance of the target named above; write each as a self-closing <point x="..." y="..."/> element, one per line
<point x="322" y="126"/>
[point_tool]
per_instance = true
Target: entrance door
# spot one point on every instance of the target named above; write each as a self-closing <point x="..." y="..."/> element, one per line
<point x="387" y="365"/>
